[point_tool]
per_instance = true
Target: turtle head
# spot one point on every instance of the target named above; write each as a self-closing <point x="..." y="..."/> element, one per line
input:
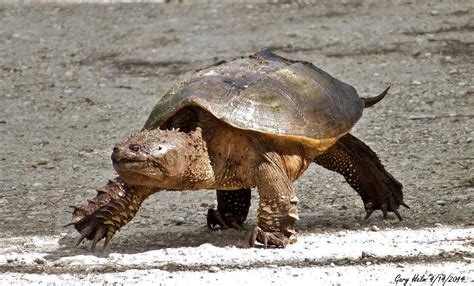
<point x="165" y="159"/>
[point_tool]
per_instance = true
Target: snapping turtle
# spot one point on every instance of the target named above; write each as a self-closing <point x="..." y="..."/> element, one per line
<point x="256" y="121"/>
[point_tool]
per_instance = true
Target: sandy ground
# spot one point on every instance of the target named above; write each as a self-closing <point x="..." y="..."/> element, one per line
<point x="443" y="256"/>
<point x="75" y="79"/>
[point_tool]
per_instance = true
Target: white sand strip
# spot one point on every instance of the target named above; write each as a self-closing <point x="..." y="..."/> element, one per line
<point x="314" y="247"/>
<point x="386" y="274"/>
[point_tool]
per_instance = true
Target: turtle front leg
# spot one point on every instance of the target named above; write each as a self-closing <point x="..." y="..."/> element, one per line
<point x="364" y="172"/>
<point x="232" y="209"/>
<point x="113" y="207"/>
<point x="277" y="212"/>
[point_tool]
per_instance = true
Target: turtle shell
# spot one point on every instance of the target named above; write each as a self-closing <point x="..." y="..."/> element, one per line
<point x="270" y="94"/>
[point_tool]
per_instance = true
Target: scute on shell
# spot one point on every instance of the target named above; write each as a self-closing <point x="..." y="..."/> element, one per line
<point x="270" y="94"/>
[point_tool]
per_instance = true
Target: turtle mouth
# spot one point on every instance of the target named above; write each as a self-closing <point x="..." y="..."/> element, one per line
<point x="137" y="165"/>
<point x="130" y="164"/>
<point x="139" y="172"/>
<point x="123" y="156"/>
<point x="132" y="171"/>
<point x="127" y="160"/>
<point x="133" y="164"/>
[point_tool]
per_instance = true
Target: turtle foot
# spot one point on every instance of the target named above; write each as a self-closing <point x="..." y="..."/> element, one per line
<point x="382" y="192"/>
<point x="95" y="228"/>
<point x="276" y="239"/>
<point x="113" y="207"/>
<point x="364" y="171"/>
<point x="391" y="206"/>
<point x="226" y="221"/>
<point x="232" y="209"/>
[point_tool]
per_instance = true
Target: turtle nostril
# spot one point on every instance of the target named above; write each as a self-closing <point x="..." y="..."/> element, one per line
<point x="116" y="149"/>
<point x="134" y="147"/>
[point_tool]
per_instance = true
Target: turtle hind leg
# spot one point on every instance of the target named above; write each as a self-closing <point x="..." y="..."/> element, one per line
<point x="364" y="172"/>
<point x="232" y="209"/>
<point x="113" y="207"/>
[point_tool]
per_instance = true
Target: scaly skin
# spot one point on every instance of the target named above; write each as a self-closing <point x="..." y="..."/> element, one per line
<point x="364" y="172"/>
<point x="169" y="159"/>
<point x="277" y="212"/>
<point x="361" y="168"/>
<point x="213" y="155"/>
<point x="114" y="206"/>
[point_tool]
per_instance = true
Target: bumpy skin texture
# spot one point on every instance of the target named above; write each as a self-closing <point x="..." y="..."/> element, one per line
<point x="114" y="206"/>
<point x="277" y="211"/>
<point x="364" y="172"/>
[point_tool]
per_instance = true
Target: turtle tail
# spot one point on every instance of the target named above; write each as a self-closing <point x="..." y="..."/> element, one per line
<point x="370" y="101"/>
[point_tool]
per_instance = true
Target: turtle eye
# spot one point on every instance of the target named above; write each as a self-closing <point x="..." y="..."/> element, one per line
<point x="134" y="147"/>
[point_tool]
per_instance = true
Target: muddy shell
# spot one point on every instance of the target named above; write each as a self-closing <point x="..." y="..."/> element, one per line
<point x="270" y="94"/>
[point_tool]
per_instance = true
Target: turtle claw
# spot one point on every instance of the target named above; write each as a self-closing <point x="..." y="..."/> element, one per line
<point x="92" y="227"/>
<point x="255" y="233"/>
<point x="235" y="225"/>
<point x="265" y="240"/>
<point x="398" y="214"/>
<point x="253" y="236"/>
<point x="84" y="233"/>
<point x="107" y="239"/>
<point x="99" y="234"/>
<point x="69" y="224"/>
<point x="214" y="218"/>
<point x="369" y="213"/>
<point x="276" y="239"/>
<point x="385" y="214"/>
<point x="405" y="205"/>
